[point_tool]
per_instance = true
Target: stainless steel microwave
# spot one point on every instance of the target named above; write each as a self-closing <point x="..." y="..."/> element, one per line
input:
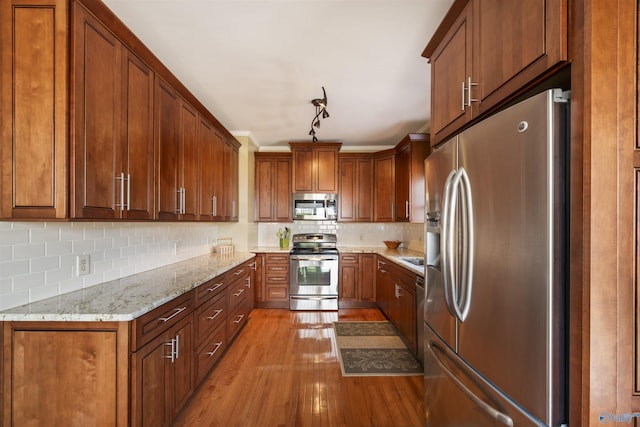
<point x="315" y="206"/>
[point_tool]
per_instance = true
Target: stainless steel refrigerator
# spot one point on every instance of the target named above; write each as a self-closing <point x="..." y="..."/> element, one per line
<point x="495" y="256"/>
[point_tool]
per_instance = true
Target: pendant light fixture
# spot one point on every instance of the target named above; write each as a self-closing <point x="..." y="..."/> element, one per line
<point x="321" y="110"/>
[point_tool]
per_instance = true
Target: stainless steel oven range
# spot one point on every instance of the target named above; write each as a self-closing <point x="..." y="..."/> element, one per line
<point x="313" y="272"/>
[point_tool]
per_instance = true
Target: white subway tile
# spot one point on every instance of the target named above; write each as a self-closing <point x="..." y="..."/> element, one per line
<point x="14" y="268"/>
<point x="28" y="251"/>
<point x="44" y="263"/>
<point x="43" y="292"/>
<point x="73" y="284"/>
<point x="6" y="253"/>
<point x="58" y="275"/>
<point x="6" y="286"/>
<point x="83" y="246"/>
<point x="58" y="248"/>
<point x="14" y="299"/>
<point x="14" y="237"/>
<point x="27" y="281"/>
<point x="42" y="235"/>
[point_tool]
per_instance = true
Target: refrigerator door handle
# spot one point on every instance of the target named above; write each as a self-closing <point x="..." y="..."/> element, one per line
<point x="466" y="279"/>
<point x="458" y="284"/>
<point x="446" y="244"/>
<point x="494" y="413"/>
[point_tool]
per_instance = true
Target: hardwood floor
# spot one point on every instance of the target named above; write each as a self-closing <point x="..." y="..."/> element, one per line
<point x="283" y="370"/>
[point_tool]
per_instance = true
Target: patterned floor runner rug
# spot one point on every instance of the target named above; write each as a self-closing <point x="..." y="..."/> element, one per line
<point x="373" y="349"/>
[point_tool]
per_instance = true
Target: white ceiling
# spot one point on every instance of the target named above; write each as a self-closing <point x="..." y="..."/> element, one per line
<point x="257" y="64"/>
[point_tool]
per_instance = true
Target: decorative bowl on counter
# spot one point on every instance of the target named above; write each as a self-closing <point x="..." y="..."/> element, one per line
<point x="392" y="244"/>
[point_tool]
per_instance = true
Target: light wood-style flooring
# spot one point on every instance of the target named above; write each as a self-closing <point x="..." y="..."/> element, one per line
<point x="283" y="370"/>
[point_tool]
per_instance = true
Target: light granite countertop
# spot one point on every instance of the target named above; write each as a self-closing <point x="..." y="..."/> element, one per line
<point x="129" y="297"/>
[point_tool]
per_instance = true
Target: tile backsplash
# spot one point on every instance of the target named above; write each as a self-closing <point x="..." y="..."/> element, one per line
<point x="349" y="234"/>
<point x="38" y="259"/>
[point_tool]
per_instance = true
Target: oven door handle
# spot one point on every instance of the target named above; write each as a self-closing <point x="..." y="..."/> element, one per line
<point x="314" y="257"/>
<point x="314" y="298"/>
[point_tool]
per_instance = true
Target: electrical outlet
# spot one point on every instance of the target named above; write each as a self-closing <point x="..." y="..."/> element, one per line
<point x="82" y="265"/>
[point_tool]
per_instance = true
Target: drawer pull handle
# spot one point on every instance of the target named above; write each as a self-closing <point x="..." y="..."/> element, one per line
<point x="177" y="311"/>
<point x="215" y="315"/>
<point x="240" y="317"/>
<point x="218" y="345"/>
<point x="172" y="354"/>
<point x="238" y="272"/>
<point x="214" y="287"/>
<point x="237" y="294"/>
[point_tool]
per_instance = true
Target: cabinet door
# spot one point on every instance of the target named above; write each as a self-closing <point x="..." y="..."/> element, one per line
<point x="273" y="188"/>
<point x="367" y="273"/>
<point x="451" y="65"/>
<point x="264" y="177"/>
<point x="34" y="131"/>
<point x="97" y="163"/>
<point x="405" y="310"/>
<point x="181" y="370"/>
<point x="137" y="137"/>
<point x="348" y="277"/>
<point x="383" y="286"/>
<point x="188" y="162"/>
<point x="283" y="211"/>
<point x="385" y="189"/>
<point x="167" y="149"/>
<point x="514" y="42"/>
<point x="65" y="375"/>
<point x="402" y="176"/>
<point x="219" y="182"/>
<point x="347" y="191"/>
<point x="364" y="190"/>
<point x="326" y="169"/>
<point x="303" y="171"/>
<point x="231" y="156"/>
<point x="206" y="169"/>
<point x="149" y="384"/>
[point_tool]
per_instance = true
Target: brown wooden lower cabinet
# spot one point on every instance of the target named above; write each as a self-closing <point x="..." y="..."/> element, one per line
<point x="162" y="376"/>
<point x="139" y="373"/>
<point x="396" y="297"/>
<point x="272" y="284"/>
<point x="356" y="280"/>
<point x="65" y="373"/>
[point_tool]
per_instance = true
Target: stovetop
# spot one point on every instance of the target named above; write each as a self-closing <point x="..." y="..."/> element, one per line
<point x="319" y="243"/>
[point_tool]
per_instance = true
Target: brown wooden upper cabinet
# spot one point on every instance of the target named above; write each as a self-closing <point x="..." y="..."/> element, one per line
<point x="355" y="191"/>
<point x="112" y="119"/>
<point x="315" y="166"/>
<point x="34" y="84"/>
<point x="273" y="187"/>
<point x="409" y="177"/>
<point x="486" y="52"/>
<point x="105" y="106"/>
<point x="384" y="181"/>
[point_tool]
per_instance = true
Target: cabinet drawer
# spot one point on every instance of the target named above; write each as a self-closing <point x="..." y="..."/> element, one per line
<point x="278" y="293"/>
<point x="210" y="315"/>
<point x="277" y="259"/>
<point x="210" y="352"/>
<point x="210" y="289"/>
<point x="236" y="272"/>
<point x="158" y="320"/>
<point x="237" y="293"/>
<point x="277" y="269"/>
<point x="237" y="320"/>
<point x="349" y="259"/>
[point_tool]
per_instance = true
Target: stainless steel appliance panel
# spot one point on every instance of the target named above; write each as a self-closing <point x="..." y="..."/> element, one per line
<point x="455" y="396"/>
<point x="438" y="167"/>
<point x="508" y="335"/>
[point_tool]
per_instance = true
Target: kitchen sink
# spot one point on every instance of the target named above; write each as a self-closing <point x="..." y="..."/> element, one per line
<point x="414" y="260"/>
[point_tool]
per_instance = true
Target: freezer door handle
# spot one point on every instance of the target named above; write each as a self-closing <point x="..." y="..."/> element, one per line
<point x="492" y="412"/>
